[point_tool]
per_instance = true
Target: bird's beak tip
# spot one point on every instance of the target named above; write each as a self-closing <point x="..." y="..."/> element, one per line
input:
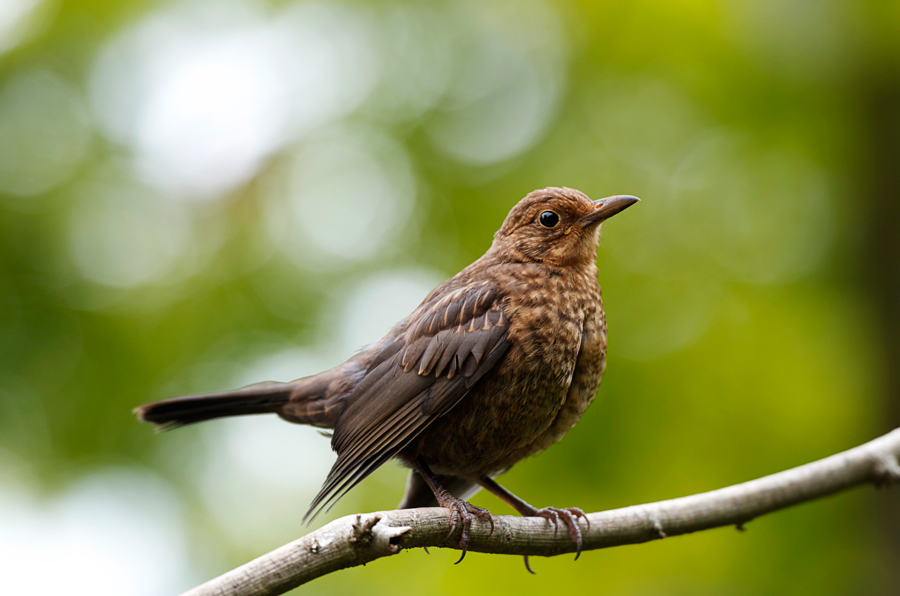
<point x="609" y="206"/>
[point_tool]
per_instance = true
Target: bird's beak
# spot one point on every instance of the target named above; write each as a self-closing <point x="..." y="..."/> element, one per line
<point x="606" y="208"/>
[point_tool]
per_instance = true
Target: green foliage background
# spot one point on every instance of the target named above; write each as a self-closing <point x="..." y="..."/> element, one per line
<point x="752" y="296"/>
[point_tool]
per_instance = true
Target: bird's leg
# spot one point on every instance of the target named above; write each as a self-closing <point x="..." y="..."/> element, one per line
<point x="461" y="512"/>
<point x="569" y="515"/>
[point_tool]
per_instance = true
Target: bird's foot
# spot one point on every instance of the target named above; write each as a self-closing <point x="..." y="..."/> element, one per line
<point x="570" y="516"/>
<point x="461" y="514"/>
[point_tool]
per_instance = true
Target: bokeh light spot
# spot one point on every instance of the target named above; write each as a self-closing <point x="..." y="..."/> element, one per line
<point x="118" y="531"/>
<point x="347" y="199"/>
<point x="44" y="133"/>
<point x="376" y="303"/>
<point x="202" y="93"/>
<point x="123" y="234"/>
<point x="509" y="73"/>
<point x="15" y="21"/>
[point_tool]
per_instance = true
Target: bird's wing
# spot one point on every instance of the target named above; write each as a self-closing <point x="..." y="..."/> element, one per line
<point x="449" y="343"/>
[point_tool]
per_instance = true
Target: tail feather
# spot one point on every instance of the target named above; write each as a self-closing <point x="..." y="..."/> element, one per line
<point x="262" y="398"/>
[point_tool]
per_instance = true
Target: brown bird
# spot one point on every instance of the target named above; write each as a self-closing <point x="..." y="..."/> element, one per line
<point x="496" y="364"/>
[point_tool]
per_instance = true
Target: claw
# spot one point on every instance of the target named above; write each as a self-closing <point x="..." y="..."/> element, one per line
<point x="570" y="516"/>
<point x="461" y="513"/>
<point x="528" y="567"/>
<point x="454" y="521"/>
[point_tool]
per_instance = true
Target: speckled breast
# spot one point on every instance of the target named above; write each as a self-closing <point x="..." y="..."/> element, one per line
<point x="542" y="386"/>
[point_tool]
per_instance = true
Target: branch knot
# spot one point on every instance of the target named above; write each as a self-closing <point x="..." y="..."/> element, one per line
<point x="886" y="470"/>
<point x="362" y="534"/>
<point x="656" y="525"/>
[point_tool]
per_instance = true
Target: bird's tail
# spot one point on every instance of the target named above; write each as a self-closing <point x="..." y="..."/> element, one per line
<point x="318" y="400"/>
<point x="262" y="398"/>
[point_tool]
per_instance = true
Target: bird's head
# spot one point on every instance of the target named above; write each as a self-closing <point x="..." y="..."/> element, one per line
<point x="559" y="226"/>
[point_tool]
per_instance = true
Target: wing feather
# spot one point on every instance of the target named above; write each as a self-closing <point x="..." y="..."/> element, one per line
<point x="451" y="340"/>
<point x="454" y="340"/>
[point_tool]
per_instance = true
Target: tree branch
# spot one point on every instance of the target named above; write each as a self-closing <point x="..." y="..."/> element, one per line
<point x="357" y="539"/>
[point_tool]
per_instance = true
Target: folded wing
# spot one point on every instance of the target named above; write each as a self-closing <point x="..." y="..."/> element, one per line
<point x="449" y="344"/>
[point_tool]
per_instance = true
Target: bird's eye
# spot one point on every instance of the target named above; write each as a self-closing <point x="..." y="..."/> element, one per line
<point x="548" y="219"/>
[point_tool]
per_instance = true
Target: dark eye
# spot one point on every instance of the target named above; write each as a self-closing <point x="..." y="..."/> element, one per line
<point x="548" y="219"/>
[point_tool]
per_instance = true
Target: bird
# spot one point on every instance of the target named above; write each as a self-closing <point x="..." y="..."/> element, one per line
<point x="495" y="365"/>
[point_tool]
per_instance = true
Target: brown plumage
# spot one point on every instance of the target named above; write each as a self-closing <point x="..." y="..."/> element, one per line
<point x="496" y="364"/>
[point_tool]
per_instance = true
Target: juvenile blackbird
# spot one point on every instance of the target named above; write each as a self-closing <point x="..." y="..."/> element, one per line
<point x="496" y="364"/>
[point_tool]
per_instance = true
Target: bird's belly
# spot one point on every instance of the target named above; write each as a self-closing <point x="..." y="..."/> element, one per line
<point x="502" y="420"/>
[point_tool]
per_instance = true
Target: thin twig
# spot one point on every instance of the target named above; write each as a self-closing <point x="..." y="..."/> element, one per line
<point x="357" y="539"/>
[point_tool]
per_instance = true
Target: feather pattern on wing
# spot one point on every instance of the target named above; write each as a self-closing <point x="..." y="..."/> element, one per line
<point x="447" y="345"/>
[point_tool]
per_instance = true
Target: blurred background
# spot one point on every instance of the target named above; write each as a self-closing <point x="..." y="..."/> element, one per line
<point x="197" y="195"/>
